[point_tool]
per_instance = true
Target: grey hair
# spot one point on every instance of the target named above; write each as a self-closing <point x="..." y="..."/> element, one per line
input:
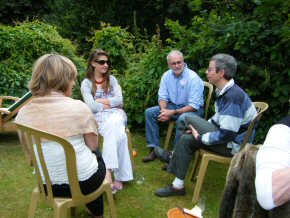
<point x="226" y="62"/>
<point x="173" y="52"/>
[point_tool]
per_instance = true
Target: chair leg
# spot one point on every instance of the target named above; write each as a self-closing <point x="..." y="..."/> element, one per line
<point x="60" y="211"/>
<point x="73" y="211"/>
<point x="33" y="203"/>
<point x="168" y="134"/>
<point x="200" y="177"/>
<point x="196" y="166"/>
<point x="130" y="147"/>
<point x="110" y="200"/>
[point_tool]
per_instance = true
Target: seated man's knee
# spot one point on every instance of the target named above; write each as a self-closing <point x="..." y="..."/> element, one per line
<point x="192" y="118"/>
<point x="152" y="111"/>
<point x="181" y="117"/>
<point x="186" y="117"/>
<point x="147" y="112"/>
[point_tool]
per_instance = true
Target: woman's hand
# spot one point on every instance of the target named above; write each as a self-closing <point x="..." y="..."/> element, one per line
<point x="103" y="101"/>
<point x="106" y="107"/>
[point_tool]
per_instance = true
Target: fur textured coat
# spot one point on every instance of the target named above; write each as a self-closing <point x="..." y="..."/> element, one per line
<point x="239" y="197"/>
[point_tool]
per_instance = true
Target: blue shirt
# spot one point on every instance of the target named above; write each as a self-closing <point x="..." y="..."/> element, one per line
<point x="187" y="89"/>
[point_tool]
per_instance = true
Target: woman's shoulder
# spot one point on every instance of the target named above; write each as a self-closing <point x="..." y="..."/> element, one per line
<point x="79" y="104"/>
<point x="86" y="82"/>
<point x="79" y="107"/>
<point x="113" y="78"/>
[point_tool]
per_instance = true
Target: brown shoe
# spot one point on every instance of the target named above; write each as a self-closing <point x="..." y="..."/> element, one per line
<point x="151" y="156"/>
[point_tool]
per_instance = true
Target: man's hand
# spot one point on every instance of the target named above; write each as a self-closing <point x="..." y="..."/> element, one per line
<point x="194" y="132"/>
<point x="165" y="115"/>
<point x="105" y="107"/>
<point x="163" y="118"/>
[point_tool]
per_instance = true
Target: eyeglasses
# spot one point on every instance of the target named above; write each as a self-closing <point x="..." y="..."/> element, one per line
<point x="102" y="62"/>
<point x="176" y="63"/>
<point x="209" y="69"/>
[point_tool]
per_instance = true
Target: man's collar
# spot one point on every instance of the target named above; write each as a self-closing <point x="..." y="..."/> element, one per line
<point x="225" y="88"/>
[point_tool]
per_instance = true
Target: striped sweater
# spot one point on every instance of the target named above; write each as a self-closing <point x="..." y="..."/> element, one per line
<point x="234" y="112"/>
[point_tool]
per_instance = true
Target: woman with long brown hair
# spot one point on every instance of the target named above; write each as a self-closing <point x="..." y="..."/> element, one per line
<point x="102" y="93"/>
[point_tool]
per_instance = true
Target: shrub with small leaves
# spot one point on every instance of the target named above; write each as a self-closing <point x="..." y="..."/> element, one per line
<point x="21" y="45"/>
<point x="118" y="42"/>
<point x="257" y="34"/>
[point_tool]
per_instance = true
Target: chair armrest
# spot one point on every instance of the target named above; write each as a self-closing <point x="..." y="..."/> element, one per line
<point x="15" y="99"/>
<point x="4" y="110"/>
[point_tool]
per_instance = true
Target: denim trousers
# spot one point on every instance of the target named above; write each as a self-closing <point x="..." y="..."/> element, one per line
<point x="152" y="124"/>
<point x="186" y="145"/>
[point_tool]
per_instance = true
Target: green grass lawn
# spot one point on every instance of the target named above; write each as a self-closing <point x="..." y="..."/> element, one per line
<point x="17" y="182"/>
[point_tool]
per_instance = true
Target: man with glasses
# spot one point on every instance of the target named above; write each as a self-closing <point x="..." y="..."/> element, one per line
<point x="180" y="93"/>
<point x="223" y="133"/>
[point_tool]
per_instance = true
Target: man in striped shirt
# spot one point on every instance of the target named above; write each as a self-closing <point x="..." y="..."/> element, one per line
<point x="223" y="133"/>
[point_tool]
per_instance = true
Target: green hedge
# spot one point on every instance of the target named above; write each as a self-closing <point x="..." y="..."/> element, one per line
<point x="257" y="34"/>
<point x="21" y="45"/>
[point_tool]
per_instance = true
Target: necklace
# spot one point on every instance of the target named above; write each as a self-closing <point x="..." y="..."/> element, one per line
<point x="100" y="82"/>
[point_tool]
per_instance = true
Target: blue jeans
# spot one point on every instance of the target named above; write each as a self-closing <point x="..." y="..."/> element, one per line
<point x="152" y="124"/>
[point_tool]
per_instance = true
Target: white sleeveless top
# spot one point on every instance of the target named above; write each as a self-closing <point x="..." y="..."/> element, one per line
<point x="54" y="157"/>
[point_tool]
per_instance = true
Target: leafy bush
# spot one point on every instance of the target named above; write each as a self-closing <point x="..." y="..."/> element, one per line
<point x="118" y="42"/>
<point x="21" y="45"/>
<point x="257" y="34"/>
<point x="141" y="84"/>
<point x="138" y="65"/>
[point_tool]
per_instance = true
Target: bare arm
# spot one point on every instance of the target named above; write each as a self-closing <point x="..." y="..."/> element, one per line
<point x="162" y="104"/>
<point x="281" y="186"/>
<point x="185" y="109"/>
<point x="91" y="141"/>
<point x="163" y="117"/>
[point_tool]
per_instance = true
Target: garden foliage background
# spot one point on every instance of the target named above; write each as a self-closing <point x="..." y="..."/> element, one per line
<point x="255" y="32"/>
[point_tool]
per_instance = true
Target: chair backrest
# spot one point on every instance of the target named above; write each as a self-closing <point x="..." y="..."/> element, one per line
<point x="261" y="107"/>
<point x="34" y="137"/>
<point x="208" y="98"/>
<point x="14" y="108"/>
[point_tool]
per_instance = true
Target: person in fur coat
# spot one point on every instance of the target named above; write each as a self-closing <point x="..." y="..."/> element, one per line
<point x="239" y="199"/>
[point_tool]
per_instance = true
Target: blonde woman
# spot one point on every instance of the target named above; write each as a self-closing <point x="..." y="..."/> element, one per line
<point x="53" y="110"/>
<point x="102" y="93"/>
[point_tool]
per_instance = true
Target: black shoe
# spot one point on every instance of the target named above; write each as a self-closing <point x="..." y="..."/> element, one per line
<point x="169" y="191"/>
<point x="162" y="154"/>
<point x="164" y="167"/>
<point x="151" y="156"/>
